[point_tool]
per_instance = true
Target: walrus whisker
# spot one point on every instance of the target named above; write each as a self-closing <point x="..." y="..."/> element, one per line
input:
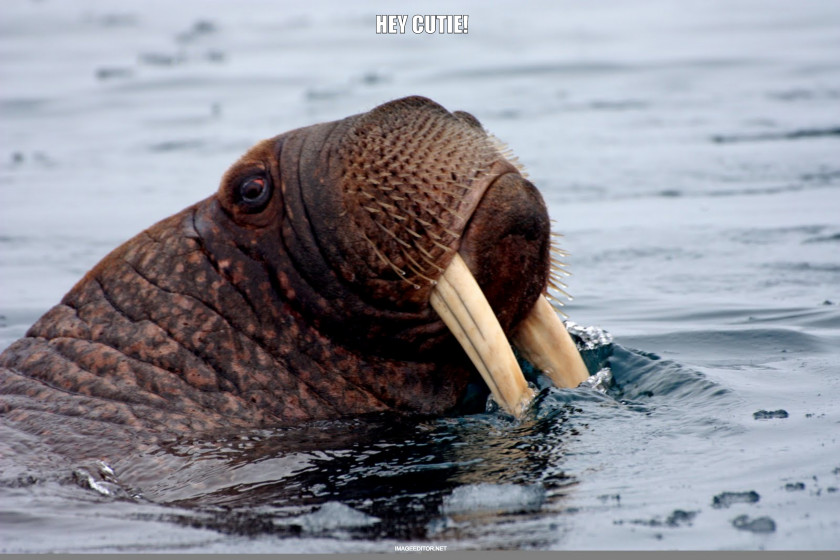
<point x="555" y="283"/>
<point x="559" y="303"/>
<point x="386" y="206"/>
<point x="428" y="257"/>
<point x="558" y="264"/>
<point x="400" y="272"/>
<point x="507" y="152"/>
<point x="442" y="246"/>
<point x="556" y="254"/>
<point x="445" y="191"/>
<point x="558" y="274"/>
<point x="393" y="236"/>
<point x="433" y="265"/>
<point x="559" y="268"/>
<point x="412" y="233"/>
<point x="558" y="251"/>
<point x="451" y="211"/>
<point x="555" y="235"/>
<point x="559" y="289"/>
<point x="417" y="268"/>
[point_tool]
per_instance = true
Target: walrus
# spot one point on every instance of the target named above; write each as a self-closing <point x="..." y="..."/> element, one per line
<point x="382" y="262"/>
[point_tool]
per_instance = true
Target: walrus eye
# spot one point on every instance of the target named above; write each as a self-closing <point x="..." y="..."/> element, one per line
<point x="254" y="193"/>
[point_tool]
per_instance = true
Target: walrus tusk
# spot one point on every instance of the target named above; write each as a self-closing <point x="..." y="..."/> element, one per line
<point x="544" y="341"/>
<point x="462" y="306"/>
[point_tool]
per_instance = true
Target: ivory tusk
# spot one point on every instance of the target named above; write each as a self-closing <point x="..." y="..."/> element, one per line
<point x="461" y="304"/>
<point x="544" y="341"/>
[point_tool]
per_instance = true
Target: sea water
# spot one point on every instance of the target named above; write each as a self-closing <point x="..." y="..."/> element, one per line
<point x="688" y="151"/>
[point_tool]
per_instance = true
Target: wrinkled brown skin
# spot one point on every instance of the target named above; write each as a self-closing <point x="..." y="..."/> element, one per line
<point x="228" y="317"/>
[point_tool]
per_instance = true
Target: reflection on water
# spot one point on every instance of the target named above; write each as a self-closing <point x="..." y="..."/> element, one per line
<point x="410" y="477"/>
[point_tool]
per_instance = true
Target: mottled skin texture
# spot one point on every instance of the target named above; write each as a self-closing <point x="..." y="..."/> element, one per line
<point x="299" y="291"/>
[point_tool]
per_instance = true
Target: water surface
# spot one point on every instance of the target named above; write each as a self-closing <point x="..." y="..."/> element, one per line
<point x="688" y="153"/>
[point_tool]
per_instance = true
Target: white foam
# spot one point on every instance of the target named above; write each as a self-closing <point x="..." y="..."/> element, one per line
<point x="494" y="498"/>
<point x="334" y="515"/>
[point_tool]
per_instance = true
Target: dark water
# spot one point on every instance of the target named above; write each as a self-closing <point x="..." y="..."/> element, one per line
<point x="688" y="152"/>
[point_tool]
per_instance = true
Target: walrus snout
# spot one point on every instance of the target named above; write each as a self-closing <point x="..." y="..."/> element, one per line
<point x="425" y="189"/>
<point x="503" y="269"/>
<point x="420" y="188"/>
<point x="506" y="246"/>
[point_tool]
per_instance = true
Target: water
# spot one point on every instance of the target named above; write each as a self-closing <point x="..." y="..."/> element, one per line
<point x="688" y="153"/>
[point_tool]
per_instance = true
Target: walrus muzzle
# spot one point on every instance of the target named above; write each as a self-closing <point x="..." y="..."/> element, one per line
<point x="442" y="190"/>
<point x="379" y="262"/>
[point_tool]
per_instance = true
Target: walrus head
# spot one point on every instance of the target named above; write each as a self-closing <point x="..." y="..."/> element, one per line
<point x="326" y="277"/>
<point x="362" y="219"/>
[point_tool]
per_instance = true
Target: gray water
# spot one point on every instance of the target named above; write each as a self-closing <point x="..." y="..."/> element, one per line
<point x="689" y="152"/>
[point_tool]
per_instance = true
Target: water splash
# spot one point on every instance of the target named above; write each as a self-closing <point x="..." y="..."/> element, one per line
<point x="600" y="381"/>
<point x="588" y="338"/>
